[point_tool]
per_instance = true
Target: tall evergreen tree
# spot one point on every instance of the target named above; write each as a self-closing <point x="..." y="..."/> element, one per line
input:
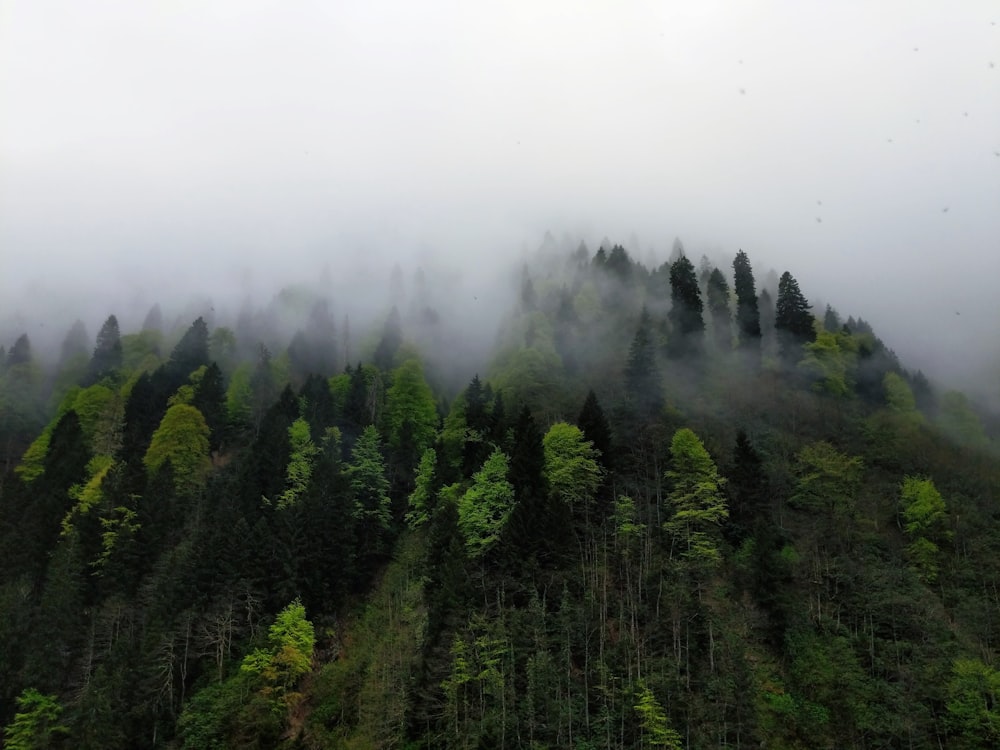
<point x="642" y="374"/>
<point x="392" y="339"/>
<point x="748" y="322"/>
<point x="107" y="356"/>
<point x="687" y="326"/>
<point x="191" y="351"/>
<point x="154" y="319"/>
<point x="75" y="343"/>
<point x="596" y="429"/>
<point x="792" y="319"/>
<point x="718" y="306"/>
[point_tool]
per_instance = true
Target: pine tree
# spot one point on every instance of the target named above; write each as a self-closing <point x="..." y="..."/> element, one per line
<point x="748" y="319"/>
<point x="392" y="339"/>
<point x="792" y="319"/>
<point x="642" y="374"/>
<point x="107" y="356"/>
<point x="718" y="306"/>
<point x="687" y="327"/>
<point x="595" y="427"/>
<point x="191" y="351"/>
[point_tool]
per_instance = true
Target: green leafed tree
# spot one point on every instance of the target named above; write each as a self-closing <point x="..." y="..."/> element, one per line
<point x="182" y="439"/>
<point x="484" y="509"/>
<point x="656" y="728"/>
<point x="571" y="468"/>
<point x="697" y="503"/>
<point x="974" y="705"/>
<point x="925" y="520"/>
<point x="302" y="457"/>
<point x="35" y="725"/>
<point x="286" y="659"/>
<point x="410" y="400"/>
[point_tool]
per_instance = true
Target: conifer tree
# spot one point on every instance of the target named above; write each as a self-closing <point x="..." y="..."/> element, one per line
<point x="107" y="356"/>
<point x="792" y="319"/>
<point x="687" y="327"/>
<point x="642" y="374"/>
<point x="748" y="318"/>
<point x="392" y="339"/>
<point x="596" y="429"/>
<point x="718" y="306"/>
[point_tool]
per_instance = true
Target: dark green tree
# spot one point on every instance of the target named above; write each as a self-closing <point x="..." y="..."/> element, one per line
<point x="748" y="317"/>
<point x="107" y="356"/>
<point x="687" y="326"/>
<point x="643" y="384"/>
<point x="596" y="428"/>
<point x="191" y="351"/>
<point x="792" y="320"/>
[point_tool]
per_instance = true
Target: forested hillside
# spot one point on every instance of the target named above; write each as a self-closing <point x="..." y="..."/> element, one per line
<point x="677" y="506"/>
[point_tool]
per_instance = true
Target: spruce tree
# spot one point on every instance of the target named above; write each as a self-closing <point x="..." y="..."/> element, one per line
<point x="107" y="356"/>
<point x="642" y="374"/>
<point x="595" y="428"/>
<point x="747" y="313"/>
<point x="718" y="306"/>
<point x="686" y="322"/>
<point x="792" y="319"/>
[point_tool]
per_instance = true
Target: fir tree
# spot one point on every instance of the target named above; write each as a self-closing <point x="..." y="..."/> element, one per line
<point x="107" y="356"/>
<point x="792" y="319"/>
<point x="642" y="374"/>
<point x="718" y="306"/>
<point x="687" y="326"/>
<point x="748" y="319"/>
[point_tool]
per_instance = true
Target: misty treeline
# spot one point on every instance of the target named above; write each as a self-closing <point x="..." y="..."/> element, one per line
<point x="677" y="507"/>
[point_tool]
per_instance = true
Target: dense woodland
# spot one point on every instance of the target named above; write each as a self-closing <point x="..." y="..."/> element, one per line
<point x="678" y="508"/>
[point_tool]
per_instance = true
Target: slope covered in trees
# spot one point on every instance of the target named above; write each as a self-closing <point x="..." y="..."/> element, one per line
<point x="667" y="512"/>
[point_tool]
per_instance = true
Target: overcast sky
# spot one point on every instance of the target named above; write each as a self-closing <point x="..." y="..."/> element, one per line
<point x="854" y="143"/>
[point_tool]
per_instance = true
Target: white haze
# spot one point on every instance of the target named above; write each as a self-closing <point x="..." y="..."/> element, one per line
<point x="153" y="150"/>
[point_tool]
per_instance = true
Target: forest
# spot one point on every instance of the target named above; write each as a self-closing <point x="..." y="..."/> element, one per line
<point x="676" y="506"/>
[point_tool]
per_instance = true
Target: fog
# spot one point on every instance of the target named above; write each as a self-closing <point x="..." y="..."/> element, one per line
<point x="155" y="152"/>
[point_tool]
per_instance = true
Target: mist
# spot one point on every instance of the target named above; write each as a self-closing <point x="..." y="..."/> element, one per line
<point x="197" y="154"/>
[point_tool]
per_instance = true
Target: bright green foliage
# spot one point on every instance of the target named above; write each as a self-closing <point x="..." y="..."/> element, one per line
<point x="974" y="704"/>
<point x="182" y="439"/>
<point x="831" y="360"/>
<point x="655" y="724"/>
<point x="287" y="657"/>
<point x="925" y="519"/>
<point x="828" y="479"/>
<point x="696" y="498"/>
<point x="302" y="456"/>
<point x="420" y="498"/>
<point x="368" y="480"/>
<point x="530" y="375"/>
<point x="88" y="495"/>
<point x="340" y="386"/>
<point x="625" y="518"/>
<point x="123" y="522"/>
<point x="571" y="467"/>
<point x="34" y="724"/>
<point x="484" y="509"/>
<point x="410" y="400"/>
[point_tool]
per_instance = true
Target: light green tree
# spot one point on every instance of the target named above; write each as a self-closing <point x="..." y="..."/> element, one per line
<point x="34" y="725"/>
<point x="925" y="518"/>
<point x="571" y="467"/>
<point x="486" y="506"/>
<point x="182" y="439"/>
<point x="286" y="658"/>
<point x="410" y="400"/>
<point x="302" y="457"/>
<point x="655" y="724"/>
<point x="696" y="499"/>
<point x="974" y="704"/>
